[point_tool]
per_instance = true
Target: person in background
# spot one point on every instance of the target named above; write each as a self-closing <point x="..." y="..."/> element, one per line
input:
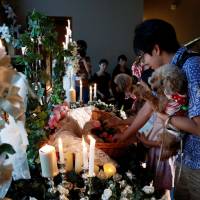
<point x="84" y="71"/>
<point x="156" y="43"/>
<point x="119" y="96"/>
<point x="103" y="79"/>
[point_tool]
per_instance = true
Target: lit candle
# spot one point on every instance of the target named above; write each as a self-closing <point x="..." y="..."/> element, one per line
<point x="78" y="162"/>
<point x="109" y="169"/>
<point x="90" y="93"/>
<point x="91" y="156"/>
<point x="72" y="95"/>
<point x="81" y="91"/>
<point x="95" y="91"/>
<point x="48" y="161"/>
<point x="85" y="157"/>
<point x="68" y="28"/>
<point x="60" y="150"/>
<point x="23" y="50"/>
<point x="1" y="44"/>
<point x="66" y="42"/>
<point x="69" y="161"/>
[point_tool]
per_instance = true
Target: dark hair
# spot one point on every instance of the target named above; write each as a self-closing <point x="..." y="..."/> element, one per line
<point x="82" y="47"/>
<point x="103" y="61"/>
<point x="152" y="32"/>
<point x="123" y="57"/>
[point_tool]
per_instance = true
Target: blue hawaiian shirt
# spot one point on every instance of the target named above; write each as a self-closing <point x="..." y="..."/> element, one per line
<point x="191" y="68"/>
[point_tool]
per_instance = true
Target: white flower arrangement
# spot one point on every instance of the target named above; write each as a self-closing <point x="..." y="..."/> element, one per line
<point x="126" y="193"/>
<point x="107" y="193"/>
<point x="4" y="33"/>
<point x="148" y="189"/>
<point x="130" y="175"/>
<point x="123" y="114"/>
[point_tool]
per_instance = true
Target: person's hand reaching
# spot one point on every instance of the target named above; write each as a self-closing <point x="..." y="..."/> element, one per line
<point x="119" y="138"/>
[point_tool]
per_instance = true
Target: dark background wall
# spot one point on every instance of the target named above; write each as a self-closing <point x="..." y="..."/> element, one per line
<point x="106" y="25"/>
<point x="185" y="18"/>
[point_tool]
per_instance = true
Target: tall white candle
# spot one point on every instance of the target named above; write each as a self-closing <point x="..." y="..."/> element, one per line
<point x="81" y="91"/>
<point x="48" y="161"/>
<point x="23" y="50"/>
<point x="1" y="45"/>
<point x="68" y="28"/>
<point x="90" y="93"/>
<point x="66" y="42"/>
<point x="85" y="156"/>
<point x="95" y="91"/>
<point x="60" y="150"/>
<point x="91" y="156"/>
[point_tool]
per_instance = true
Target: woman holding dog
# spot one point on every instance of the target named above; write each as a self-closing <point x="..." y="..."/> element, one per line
<point x="156" y="43"/>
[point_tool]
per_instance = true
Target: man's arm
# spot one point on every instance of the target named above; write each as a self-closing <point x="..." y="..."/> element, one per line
<point x="184" y="123"/>
<point x="141" y="118"/>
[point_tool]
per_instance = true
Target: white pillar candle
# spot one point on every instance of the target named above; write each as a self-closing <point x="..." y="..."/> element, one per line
<point x="85" y="156"/>
<point x="60" y="150"/>
<point x="81" y="91"/>
<point x="48" y="161"/>
<point x="91" y="156"/>
<point x="90" y="93"/>
<point x="78" y="162"/>
<point x="95" y="91"/>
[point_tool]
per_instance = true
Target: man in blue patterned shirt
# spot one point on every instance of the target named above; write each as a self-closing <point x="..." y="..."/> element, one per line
<point x="156" y="43"/>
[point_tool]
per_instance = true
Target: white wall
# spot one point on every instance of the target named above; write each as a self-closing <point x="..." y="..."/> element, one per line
<point x="106" y="25"/>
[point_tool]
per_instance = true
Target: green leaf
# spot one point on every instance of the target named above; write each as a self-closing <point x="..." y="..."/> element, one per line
<point x="6" y="148"/>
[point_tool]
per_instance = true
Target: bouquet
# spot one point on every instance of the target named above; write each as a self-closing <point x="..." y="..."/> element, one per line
<point x="59" y="113"/>
<point x="97" y="126"/>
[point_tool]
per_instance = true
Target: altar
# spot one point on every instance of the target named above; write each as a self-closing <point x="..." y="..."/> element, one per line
<point x="52" y="146"/>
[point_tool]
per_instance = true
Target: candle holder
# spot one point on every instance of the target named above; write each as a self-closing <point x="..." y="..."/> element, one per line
<point x="95" y="99"/>
<point x="91" y="103"/>
<point x="81" y="104"/>
<point x="73" y="105"/>
<point x="64" y="187"/>
<point x="89" y="186"/>
<point x="52" y="189"/>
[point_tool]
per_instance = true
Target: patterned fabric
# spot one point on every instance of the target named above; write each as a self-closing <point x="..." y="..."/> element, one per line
<point x="137" y="70"/>
<point x="191" y="68"/>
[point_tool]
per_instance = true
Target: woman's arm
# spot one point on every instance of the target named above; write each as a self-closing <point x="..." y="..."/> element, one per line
<point x="141" y="118"/>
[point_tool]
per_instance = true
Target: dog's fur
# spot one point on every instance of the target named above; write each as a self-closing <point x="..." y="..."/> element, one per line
<point x="168" y="79"/>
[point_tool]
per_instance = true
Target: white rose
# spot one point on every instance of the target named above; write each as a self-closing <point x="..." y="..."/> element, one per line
<point x="106" y="194"/>
<point x="123" y="114"/>
<point x="148" y="189"/>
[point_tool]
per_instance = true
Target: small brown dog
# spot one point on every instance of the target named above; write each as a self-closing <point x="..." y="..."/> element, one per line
<point x="166" y="95"/>
<point x="170" y="84"/>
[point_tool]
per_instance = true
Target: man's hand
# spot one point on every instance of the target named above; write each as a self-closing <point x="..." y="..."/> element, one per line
<point x="163" y="116"/>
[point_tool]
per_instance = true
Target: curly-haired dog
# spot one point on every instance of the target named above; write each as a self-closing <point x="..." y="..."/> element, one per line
<point x="170" y="84"/>
<point x="167" y="94"/>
